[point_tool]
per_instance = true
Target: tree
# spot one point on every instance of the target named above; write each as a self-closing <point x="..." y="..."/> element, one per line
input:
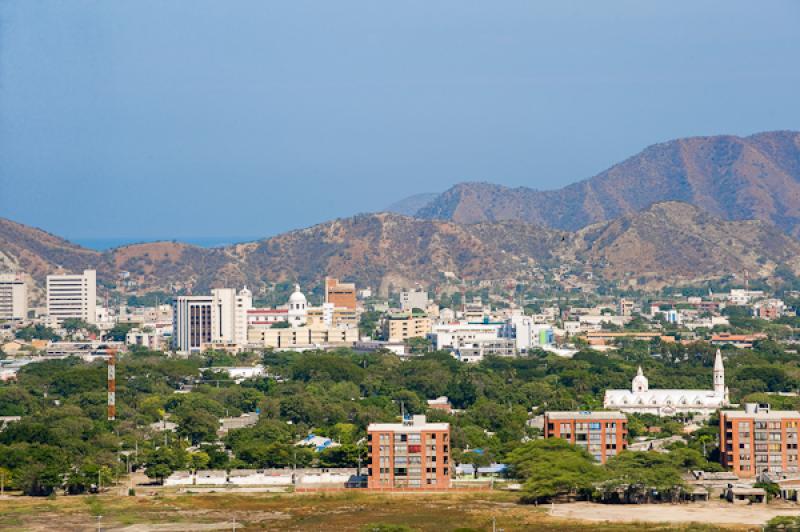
<point x="553" y="467"/>
<point x="198" y="426"/>
<point x="199" y="460"/>
<point x="159" y="472"/>
<point x="639" y="476"/>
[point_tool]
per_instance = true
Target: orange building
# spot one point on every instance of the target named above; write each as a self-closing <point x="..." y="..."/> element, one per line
<point x="757" y="439"/>
<point x="602" y="434"/>
<point x="340" y="294"/>
<point x="414" y="454"/>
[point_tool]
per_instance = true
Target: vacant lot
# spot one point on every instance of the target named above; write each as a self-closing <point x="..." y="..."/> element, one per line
<point x="352" y="512"/>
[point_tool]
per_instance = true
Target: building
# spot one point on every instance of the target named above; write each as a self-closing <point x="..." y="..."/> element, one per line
<point x="411" y="299"/>
<point x="340" y="294"/>
<point x="72" y="296"/>
<point x="476" y="351"/>
<point x="302" y="337"/>
<point x="221" y="319"/>
<point x="758" y="440"/>
<point x="149" y="339"/>
<point x="414" y="454"/>
<point x="625" y="307"/>
<point x="769" y="309"/>
<point x="455" y="335"/>
<point x="602" y="434"/>
<point x="399" y="327"/>
<point x="229" y="318"/>
<point x="191" y="322"/>
<point x="298" y="308"/>
<point x="13" y="297"/>
<point x="641" y="399"/>
<point x="742" y="341"/>
<point x="266" y="316"/>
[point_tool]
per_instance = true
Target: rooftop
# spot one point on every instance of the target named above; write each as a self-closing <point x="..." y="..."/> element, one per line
<point x="586" y="415"/>
<point x="415" y="424"/>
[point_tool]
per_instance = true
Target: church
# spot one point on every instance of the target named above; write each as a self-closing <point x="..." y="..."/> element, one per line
<point x="640" y="399"/>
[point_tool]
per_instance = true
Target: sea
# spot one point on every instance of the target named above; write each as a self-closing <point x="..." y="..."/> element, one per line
<point x="103" y="244"/>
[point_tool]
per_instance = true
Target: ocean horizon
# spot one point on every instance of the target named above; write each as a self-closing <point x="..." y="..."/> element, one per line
<point x="104" y="244"/>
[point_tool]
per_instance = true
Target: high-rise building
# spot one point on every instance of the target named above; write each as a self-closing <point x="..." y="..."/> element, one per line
<point x="340" y="294"/>
<point x="414" y="454"/>
<point x="602" y="434"/>
<point x="13" y="297"/>
<point x="72" y="296"/>
<point x="191" y="322"/>
<point x="758" y="439"/>
<point x="221" y="318"/>
<point x="229" y="315"/>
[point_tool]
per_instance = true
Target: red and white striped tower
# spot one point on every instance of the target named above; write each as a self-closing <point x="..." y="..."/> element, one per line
<point x="112" y="385"/>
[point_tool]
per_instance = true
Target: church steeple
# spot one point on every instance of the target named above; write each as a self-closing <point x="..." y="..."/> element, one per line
<point x="719" y="377"/>
<point x="639" y="383"/>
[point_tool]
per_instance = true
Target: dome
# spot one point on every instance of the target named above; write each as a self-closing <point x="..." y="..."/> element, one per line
<point x="297" y="297"/>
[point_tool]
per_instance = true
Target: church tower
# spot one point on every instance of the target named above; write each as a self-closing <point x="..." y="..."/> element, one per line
<point x="639" y="383"/>
<point x="719" y="377"/>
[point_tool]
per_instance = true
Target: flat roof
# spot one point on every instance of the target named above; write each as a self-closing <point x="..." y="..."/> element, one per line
<point x="402" y="427"/>
<point x="586" y="415"/>
<point x="772" y="414"/>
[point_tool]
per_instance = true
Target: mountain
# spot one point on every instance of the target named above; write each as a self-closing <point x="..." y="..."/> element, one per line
<point x="667" y="243"/>
<point x="673" y="242"/>
<point x="410" y="205"/>
<point x="734" y="178"/>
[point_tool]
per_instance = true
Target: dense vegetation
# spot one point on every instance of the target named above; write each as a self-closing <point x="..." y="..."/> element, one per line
<point x="64" y="432"/>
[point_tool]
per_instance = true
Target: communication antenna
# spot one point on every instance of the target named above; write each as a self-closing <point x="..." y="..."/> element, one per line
<point x="112" y="384"/>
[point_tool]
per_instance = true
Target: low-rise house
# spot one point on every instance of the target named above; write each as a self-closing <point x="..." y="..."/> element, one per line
<point x="318" y="443"/>
<point x="440" y="403"/>
<point x="746" y="495"/>
<point x="742" y="341"/>
<point x="248" y="419"/>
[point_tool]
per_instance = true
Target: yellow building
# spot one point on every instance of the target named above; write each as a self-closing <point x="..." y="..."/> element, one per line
<point x="302" y="337"/>
<point x="399" y="327"/>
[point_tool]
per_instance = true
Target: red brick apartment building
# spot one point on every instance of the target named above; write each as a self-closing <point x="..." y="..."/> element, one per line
<point x="414" y="454"/>
<point x="602" y="434"/>
<point x="758" y="439"/>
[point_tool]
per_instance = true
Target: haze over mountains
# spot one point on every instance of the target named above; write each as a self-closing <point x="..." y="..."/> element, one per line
<point x="686" y="210"/>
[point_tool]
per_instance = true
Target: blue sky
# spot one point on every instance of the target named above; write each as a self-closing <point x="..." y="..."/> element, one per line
<point x="169" y="119"/>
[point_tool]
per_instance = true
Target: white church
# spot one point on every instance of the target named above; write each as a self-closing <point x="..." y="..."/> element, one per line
<point x="640" y="399"/>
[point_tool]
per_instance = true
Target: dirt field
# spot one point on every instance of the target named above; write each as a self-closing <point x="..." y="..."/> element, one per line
<point x="718" y="513"/>
<point x="358" y="511"/>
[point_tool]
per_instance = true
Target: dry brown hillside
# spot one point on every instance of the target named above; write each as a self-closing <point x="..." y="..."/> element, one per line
<point x="666" y="243"/>
<point x="734" y="178"/>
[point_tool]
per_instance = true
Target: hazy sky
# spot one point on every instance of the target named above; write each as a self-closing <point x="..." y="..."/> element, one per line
<point x="155" y="119"/>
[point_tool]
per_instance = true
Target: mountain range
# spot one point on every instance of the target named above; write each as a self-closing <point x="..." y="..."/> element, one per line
<point x="734" y="178"/>
<point x="683" y="211"/>
<point x="667" y="243"/>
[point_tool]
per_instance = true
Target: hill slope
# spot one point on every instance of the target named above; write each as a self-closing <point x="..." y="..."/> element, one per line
<point x="667" y="243"/>
<point x="734" y="178"/>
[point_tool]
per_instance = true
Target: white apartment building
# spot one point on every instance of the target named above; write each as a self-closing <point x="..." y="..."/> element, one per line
<point x="72" y="296"/>
<point x="411" y="299"/>
<point x="13" y="297"/>
<point x="229" y="315"/>
<point x="456" y="335"/>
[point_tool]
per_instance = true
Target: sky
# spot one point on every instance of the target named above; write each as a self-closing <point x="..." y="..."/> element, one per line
<point x="243" y="119"/>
